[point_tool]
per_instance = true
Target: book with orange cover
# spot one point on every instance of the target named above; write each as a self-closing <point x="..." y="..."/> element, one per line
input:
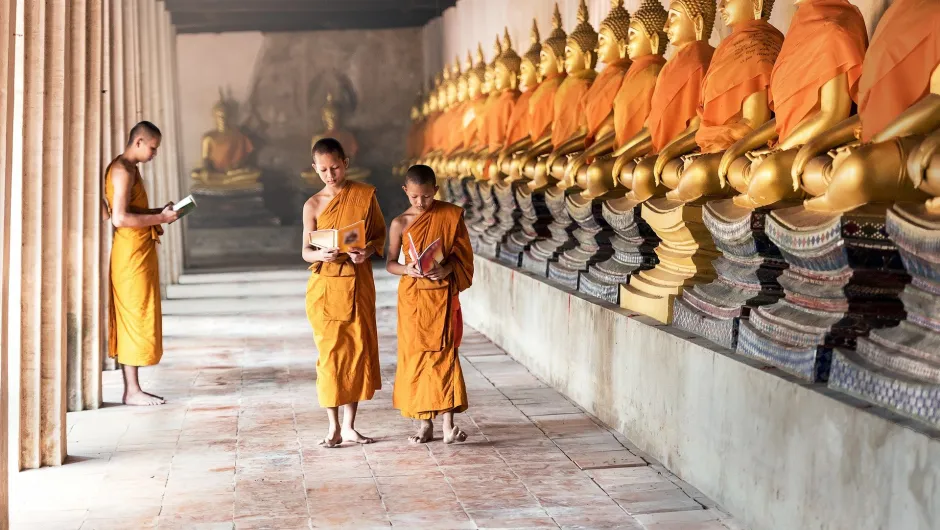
<point x="352" y="236"/>
<point x="426" y="259"/>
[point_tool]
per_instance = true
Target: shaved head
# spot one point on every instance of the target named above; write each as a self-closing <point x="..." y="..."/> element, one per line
<point x="145" y="130"/>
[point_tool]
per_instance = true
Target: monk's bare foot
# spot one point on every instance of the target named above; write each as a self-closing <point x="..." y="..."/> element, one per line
<point x="425" y="433"/>
<point x="454" y="435"/>
<point x="332" y="440"/>
<point x="351" y="435"/>
<point x="142" y="399"/>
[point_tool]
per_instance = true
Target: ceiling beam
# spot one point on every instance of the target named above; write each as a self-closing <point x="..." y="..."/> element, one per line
<point x="321" y="6"/>
<point x="278" y="22"/>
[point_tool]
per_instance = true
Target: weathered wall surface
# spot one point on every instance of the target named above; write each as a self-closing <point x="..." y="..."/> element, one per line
<point x="776" y="453"/>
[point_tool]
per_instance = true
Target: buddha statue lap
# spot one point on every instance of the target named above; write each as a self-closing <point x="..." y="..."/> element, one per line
<point x="226" y="155"/>
<point x="633" y="240"/>
<point x="568" y="131"/>
<point x="845" y="274"/>
<point x="332" y="129"/>
<point x="686" y="250"/>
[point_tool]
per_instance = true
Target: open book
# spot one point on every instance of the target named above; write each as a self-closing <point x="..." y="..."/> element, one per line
<point x="428" y="257"/>
<point x="185" y="206"/>
<point x="352" y="236"/>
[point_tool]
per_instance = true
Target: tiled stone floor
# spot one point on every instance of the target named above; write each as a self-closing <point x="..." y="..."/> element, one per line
<point x="236" y="445"/>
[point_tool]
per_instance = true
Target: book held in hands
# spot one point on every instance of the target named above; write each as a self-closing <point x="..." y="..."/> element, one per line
<point x="428" y="257"/>
<point x="185" y="206"/>
<point x="352" y="236"/>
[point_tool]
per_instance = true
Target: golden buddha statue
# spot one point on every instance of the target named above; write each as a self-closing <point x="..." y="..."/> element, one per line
<point x="498" y="127"/>
<point x="225" y="156"/>
<point x="519" y="134"/>
<point x="448" y="99"/>
<point x="332" y="129"/>
<point x="475" y="142"/>
<point x="923" y="168"/>
<point x="462" y="99"/>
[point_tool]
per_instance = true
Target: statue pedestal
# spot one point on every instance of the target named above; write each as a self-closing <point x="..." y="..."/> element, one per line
<point x="507" y="216"/>
<point x="561" y="229"/>
<point x="899" y="367"/>
<point x="220" y="208"/>
<point x="843" y="280"/>
<point x="593" y="236"/>
<point x="486" y="218"/>
<point x="747" y="275"/>
<point x="532" y="225"/>
<point x="685" y="256"/>
<point x="633" y="243"/>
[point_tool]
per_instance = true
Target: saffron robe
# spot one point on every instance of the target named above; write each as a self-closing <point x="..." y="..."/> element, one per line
<point x="569" y="114"/>
<point x="904" y="52"/>
<point x="518" y="126"/>
<point x="826" y="38"/>
<point x="741" y="66"/>
<point x="542" y="106"/>
<point x="428" y="380"/>
<point x="678" y="93"/>
<point x="341" y="305"/>
<point x="496" y="121"/>
<point x="229" y="149"/>
<point x="598" y="103"/>
<point x="135" y="319"/>
<point x="634" y="99"/>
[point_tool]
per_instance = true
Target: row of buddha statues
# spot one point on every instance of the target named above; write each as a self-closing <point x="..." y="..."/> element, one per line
<point x="775" y="194"/>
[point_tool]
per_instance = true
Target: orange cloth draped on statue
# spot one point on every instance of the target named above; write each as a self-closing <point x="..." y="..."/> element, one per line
<point x="429" y="138"/>
<point x="455" y="128"/>
<point x="229" y="149"/>
<point x="826" y="38"/>
<point x="542" y="106"/>
<point x="471" y="121"/>
<point x="429" y="380"/>
<point x="414" y="147"/>
<point x="598" y="103"/>
<point x="633" y="101"/>
<point x="518" y="126"/>
<point x="740" y="67"/>
<point x="569" y="112"/>
<point x="904" y="52"/>
<point x="496" y="122"/>
<point x="678" y="93"/>
<point x="341" y="305"/>
<point x="135" y="319"/>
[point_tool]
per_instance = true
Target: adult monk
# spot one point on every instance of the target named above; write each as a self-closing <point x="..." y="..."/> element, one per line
<point x="341" y="293"/>
<point x="429" y="381"/>
<point x="135" y="320"/>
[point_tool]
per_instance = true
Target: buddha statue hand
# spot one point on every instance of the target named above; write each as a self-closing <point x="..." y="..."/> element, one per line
<point x="574" y="166"/>
<point x="920" y="159"/>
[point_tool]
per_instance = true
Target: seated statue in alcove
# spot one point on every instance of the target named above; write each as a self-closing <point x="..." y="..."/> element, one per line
<point x="225" y="156"/>
<point x="332" y="129"/>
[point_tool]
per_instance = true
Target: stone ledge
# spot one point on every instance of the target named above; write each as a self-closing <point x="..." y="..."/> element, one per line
<point x="776" y="452"/>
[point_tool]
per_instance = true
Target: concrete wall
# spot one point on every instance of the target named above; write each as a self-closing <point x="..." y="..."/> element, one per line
<point x="776" y="453"/>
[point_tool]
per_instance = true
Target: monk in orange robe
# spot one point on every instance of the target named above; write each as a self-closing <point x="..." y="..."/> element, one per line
<point x="341" y="293"/>
<point x="429" y="381"/>
<point x="135" y="321"/>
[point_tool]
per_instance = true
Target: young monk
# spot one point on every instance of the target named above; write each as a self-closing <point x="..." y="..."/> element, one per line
<point x="135" y="319"/>
<point x="341" y="293"/>
<point x="428" y="381"/>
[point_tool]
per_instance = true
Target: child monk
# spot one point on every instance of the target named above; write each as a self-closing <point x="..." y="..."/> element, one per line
<point x="429" y="381"/>
<point x="341" y="293"/>
<point x="134" y="314"/>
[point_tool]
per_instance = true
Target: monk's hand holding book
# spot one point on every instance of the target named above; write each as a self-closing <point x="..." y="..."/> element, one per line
<point x="358" y="255"/>
<point x="329" y="255"/>
<point x="411" y="270"/>
<point x="169" y="214"/>
<point x="438" y="272"/>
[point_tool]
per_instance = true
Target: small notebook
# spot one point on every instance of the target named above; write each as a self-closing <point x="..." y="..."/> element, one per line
<point x="352" y="236"/>
<point x="185" y="206"/>
<point x="428" y="257"/>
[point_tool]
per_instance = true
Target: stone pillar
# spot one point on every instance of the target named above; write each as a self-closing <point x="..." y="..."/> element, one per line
<point x="109" y="142"/>
<point x="171" y="151"/>
<point x="180" y="171"/>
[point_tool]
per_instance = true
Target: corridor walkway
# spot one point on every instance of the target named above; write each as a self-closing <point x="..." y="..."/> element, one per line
<point x="236" y="447"/>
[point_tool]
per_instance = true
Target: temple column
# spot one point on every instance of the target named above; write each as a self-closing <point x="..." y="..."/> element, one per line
<point x="106" y="153"/>
<point x="168" y="119"/>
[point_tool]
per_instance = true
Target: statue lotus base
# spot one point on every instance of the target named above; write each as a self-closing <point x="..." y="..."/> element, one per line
<point x="230" y="208"/>
<point x="532" y="225"/>
<point x="593" y="236"/>
<point x="506" y="218"/>
<point x="561" y="238"/>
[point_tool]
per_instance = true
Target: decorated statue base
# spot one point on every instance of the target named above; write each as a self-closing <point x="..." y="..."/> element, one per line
<point x="593" y="236"/>
<point x="633" y="245"/>
<point x="747" y="275"/>
<point x="561" y="229"/>
<point x="843" y="280"/>
<point x="230" y="208"/>
<point x="533" y="221"/>
<point x="507" y="216"/>
<point x="686" y="253"/>
<point x="485" y="218"/>
<point x="899" y="367"/>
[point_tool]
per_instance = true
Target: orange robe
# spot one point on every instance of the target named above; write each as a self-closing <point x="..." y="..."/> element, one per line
<point x="135" y="319"/>
<point x="470" y="128"/>
<point x="430" y="138"/>
<point x="598" y="102"/>
<point x="341" y="305"/>
<point x="429" y="380"/>
<point x="454" y="127"/>
<point x="678" y="93"/>
<point x="542" y="106"/>
<point x="518" y="126"/>
<point x="229" y="149"/>
<point x="741" y="66"/>
<point x="826" y="38"/>
<point x="497" y="118"/>
<point x="569" y="112"/>
<point x="904" y="52"/>
<point x="633" y="101"/>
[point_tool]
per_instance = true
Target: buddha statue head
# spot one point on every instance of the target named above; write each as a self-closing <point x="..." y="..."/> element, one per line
<point x="475" y="73"/>
<point x="690" y="21"/>
<point x="220" y="112"/>
<point x="733" y="12"/>
<point x="529" y="68"/>
<point x="457" y="90"/>
<point x="647" y="34"/>
<point x="581" y="44"/>
<point x="612" y="38"/>
<point x="508" y="64"/>
<point x="330" y="113"/>
<point x="442" y="89"/>
<point x="489" y="75"/>
<point x="553" y="49"/>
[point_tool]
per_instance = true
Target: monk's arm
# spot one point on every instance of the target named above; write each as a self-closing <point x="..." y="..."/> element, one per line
<point x="394" y="249"/>
<point x="122" y="216"/>
<point x="310" y="253"/>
